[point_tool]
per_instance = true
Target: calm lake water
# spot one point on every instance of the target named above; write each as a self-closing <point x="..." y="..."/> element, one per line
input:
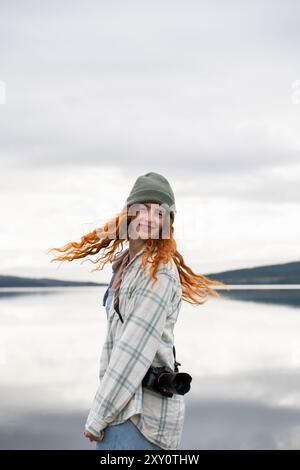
<point x="242" y="350"/>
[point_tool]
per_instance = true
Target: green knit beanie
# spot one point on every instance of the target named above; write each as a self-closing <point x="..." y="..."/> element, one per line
<point x="153" y="187"/>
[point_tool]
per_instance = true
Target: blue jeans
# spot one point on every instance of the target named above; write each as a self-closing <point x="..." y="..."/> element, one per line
<point x="125" y="436"/>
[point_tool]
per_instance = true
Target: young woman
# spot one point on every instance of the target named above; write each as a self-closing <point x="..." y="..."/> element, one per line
<point x="143" y="300"/>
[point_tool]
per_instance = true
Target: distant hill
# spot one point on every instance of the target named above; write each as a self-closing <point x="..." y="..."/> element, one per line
<point x="15" y="281"/>
<point x="286" y="273"/>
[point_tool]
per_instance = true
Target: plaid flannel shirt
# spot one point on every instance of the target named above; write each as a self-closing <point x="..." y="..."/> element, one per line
<point x="145" y="338"/>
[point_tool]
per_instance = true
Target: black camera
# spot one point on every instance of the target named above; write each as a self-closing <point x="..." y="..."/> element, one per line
<point x="167" y="382"/>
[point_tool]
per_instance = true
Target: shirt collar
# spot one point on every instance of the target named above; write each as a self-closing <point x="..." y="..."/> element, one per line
<point x="120" y="256"/>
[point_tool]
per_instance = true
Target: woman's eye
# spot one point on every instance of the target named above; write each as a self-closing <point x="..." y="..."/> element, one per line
<point x="157" y="213"/>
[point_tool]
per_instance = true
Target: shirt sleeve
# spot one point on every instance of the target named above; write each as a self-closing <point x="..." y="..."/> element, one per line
<point x="134" y="351"/>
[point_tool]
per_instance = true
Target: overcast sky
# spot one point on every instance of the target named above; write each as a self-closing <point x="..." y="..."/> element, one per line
<point x="95" y="93"/>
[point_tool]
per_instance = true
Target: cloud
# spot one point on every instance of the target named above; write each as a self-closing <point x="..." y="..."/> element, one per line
<point x="187" y="88"/>
<point x="200" y="92"/>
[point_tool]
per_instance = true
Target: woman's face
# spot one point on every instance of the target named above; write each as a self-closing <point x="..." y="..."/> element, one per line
<point x="148" y="220"/>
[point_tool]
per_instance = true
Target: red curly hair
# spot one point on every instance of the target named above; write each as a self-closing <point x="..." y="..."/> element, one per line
<point x="195" y="287"/>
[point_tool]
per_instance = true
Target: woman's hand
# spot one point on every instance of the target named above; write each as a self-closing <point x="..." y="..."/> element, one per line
<point x="95" y="438"/>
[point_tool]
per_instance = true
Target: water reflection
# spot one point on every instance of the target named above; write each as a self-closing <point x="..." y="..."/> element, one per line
<point x="271" y="294"/>
<point x="244" y="358"/>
